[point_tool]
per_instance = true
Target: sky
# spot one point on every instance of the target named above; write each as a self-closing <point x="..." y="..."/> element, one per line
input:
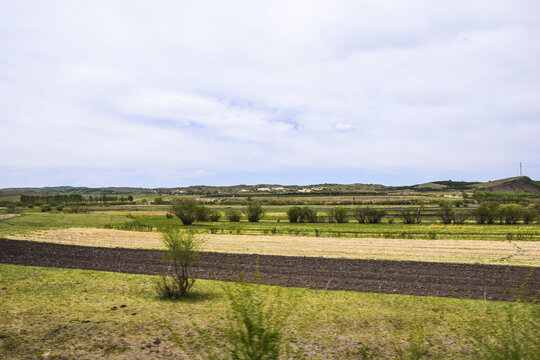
<point x="177" y="93"/>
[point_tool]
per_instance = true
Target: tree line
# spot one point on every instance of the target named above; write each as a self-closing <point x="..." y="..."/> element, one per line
<point x="55" y="200"/>
<point x="191" y="210"/>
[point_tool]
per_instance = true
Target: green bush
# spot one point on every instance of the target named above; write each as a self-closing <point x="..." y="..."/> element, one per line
<point x="233" y="215"/>
<point x="185" y="210"/>
<point x="487" y="212"/>
<point x="309" y="215"/>
<point x="302" y="214"/>
<point x="368" y="215"/>
<point x="257" y="317"/>
<point x="446" y="213"/>
<point x="529" y="216"/>
<point x="214" y="215"/>
<point x="203" y="213"/>
<point x="338" y="214"/>
<point x="254" y="212"/>
<point x="182" y="252"/>
<point x="294" y="214"/>
<point x="359" y="214"/>
<point x="510" y="214"/>
<point x="411" y="215"/>
<point x="460" y="216"/>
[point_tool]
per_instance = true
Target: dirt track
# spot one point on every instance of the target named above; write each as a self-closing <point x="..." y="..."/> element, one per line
<point x="392" y="277"/>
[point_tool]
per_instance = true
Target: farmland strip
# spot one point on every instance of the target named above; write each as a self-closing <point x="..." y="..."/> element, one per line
<point x="490" y="282"/>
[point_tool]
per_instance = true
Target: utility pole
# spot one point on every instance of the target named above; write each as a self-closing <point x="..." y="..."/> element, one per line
<point x="520" y="169"/>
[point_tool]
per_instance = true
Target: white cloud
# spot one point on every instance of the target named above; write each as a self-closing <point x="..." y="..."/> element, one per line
<point x="177" y="87"/>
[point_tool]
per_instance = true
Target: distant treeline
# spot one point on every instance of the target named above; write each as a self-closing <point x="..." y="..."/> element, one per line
<point x="54" y="200"/>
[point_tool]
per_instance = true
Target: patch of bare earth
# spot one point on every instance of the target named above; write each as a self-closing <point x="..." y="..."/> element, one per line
<point x="381" y="276"/>
<point x="8" y="216"/>
<point x="524" y="253"/>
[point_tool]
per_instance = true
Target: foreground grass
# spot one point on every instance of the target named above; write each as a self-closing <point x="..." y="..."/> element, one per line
<point x="61" y="313"/>
<point x="522" y="253"/>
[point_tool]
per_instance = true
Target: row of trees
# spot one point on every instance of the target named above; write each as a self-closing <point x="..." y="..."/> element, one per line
<point x="190" y="210"/>
<point x="490" y="212"/>
<point x="55" y="200"/>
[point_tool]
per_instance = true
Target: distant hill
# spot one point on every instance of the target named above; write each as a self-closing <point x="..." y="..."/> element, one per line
<point x="518" y="184"/>
<point x="447" y="185"/>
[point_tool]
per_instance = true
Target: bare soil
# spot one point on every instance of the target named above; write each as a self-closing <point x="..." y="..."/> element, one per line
<point x="8" y="216"/>
<point x="489" y="282"/>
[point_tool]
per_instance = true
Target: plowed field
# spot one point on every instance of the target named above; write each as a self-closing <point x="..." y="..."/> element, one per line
<point x="488" y="282"/>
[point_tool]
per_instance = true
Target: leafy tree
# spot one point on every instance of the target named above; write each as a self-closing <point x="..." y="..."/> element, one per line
<point x="233" y="215"/>
<point x="446" y="213"/>
<point x="338" y="214"/>
<point x="368" y="215"/>
<point x="309" y="215"/>
<point x="461" y="216"/>
<point x="529" y="216"/>
<point x="158" y="201"/>
<point x="182" y="253"/>
<point x="254" y="212"/>
<point x="185" y="209"/>
<point x="486" y="213"/>
<point x="203" y="213"/>
<point x="510" y="214"/>
<point x="411" y="215"/>
<point x="214" y="215"/>
<point x="359" y="214"/>
<point x="294" y="214"/>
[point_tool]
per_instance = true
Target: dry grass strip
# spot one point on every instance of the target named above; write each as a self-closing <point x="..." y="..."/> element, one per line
<point x="526" y="253"/>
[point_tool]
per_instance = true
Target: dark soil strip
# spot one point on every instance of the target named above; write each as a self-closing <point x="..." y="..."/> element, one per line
<point x="488" y="282"/>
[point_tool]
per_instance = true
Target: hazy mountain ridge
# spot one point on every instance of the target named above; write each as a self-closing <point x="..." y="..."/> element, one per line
<point x="518" y="184"/>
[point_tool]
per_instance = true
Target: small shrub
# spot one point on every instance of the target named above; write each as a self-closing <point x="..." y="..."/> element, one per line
<point x="182" y="252"/>
<point x="411" y="215"/>
<point x="511" y="214"/>
<point x="294" y="214"/>
<point x="374" y="215"/>
<point x="302" y="214"/>
<point x="254" y="212"/>
<point x="309" y="215"/>
<point x="368" y="215"/>
<point x="446" y="213"/>
<point x="185" y="210"/>
<point x="214" y="215"/>
<point x="338" y="214"/>
<point x="257" y="320"/>
<point x="203" y="213"/>
<point x="529" y="216"/>
<point x="486" y="213"/>
<point x="233" y="215"/>
<point x="461" y="216"/>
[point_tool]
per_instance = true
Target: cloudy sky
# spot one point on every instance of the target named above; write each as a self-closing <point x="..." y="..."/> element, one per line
<point x="174" y="93"/>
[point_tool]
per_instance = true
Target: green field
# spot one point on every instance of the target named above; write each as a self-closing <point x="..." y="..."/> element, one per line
<point x="75" y="317"/>
<point x="40" y="221"/>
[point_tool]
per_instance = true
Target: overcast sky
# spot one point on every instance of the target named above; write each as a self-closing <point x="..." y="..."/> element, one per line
<point x="174" y="93"/>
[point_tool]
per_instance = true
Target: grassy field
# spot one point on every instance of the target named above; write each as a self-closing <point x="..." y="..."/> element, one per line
<point x="88" y="315"/>
<point x="37" y="221"/>
<point x="397" y="230"/>
<point x="470" y="231"/>
<point x="524" y="253"/>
